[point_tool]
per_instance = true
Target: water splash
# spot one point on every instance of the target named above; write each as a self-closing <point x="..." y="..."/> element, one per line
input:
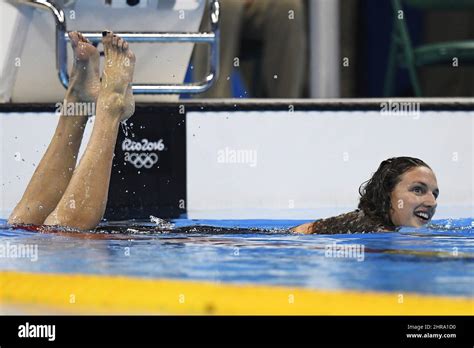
<point x="161" y="224"/>
<point x="125" y="127"/>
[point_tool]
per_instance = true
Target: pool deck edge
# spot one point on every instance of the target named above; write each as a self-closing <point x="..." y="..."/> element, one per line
<point x="44" y="293"/>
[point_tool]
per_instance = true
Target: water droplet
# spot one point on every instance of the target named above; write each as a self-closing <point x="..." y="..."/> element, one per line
<point x="124" y="127"/>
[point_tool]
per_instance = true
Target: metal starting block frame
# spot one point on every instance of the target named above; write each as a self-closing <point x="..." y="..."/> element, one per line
<point x="212" y="38"/>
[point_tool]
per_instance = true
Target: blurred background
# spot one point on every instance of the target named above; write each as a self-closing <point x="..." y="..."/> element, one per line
<point x="327" y="48"/>
<point x="269" y="48"/>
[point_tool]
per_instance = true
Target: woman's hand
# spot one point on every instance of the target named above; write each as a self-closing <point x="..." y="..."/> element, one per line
<point x="306" y="228"/>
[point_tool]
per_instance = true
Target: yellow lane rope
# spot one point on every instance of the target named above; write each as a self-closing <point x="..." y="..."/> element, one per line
<point x="92" y="294"/>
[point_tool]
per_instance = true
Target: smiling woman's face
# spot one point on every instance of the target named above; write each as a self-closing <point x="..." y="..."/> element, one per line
<point x="413" y="199"/>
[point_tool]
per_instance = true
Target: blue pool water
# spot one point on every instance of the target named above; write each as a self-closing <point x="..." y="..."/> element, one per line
<point x="435" y="260"/>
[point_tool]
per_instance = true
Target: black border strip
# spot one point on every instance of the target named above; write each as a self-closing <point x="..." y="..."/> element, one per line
<point x="426" y="104"/>
<point x="192" y="331"/>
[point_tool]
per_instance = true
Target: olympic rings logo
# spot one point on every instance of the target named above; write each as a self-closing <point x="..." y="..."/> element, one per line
<point x="141" y="160"/>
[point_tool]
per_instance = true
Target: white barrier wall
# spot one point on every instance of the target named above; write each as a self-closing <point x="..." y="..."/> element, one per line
<point x="24" y="139"/>
<point x="310" y="164"/>
<point x="279" y="164"/>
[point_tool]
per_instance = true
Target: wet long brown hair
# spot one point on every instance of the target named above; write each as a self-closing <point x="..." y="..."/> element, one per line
<point x="375" y="193"/>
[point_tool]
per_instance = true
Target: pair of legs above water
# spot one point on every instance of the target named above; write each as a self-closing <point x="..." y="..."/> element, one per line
<point x="58" y="193"/>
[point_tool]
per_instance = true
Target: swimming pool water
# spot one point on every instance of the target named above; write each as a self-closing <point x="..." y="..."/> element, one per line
<point x="435" y="260"/>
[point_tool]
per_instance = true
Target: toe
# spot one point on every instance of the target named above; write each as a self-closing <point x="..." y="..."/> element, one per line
<point x="125" y="45"/>
<point x="114" y="41"/>
<point x="131" y="56"/>
<point x="120" y="42"/>
<point x="84" y="39"/>
<point x="73" y="36"/>
<point x="106" y="42"/>
<point x="106" y="38"/>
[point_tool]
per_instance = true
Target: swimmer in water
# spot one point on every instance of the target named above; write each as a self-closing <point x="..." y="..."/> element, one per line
<point x="402" y="192"/>
<point x="58" y="194"/>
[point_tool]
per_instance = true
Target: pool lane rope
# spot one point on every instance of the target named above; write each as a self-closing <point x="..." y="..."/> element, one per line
<point x="94" y="294"/>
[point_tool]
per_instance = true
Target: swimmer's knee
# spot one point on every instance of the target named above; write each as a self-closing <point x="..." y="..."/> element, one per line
<point x="25" y="215"/>
<point x="70" y="219"/>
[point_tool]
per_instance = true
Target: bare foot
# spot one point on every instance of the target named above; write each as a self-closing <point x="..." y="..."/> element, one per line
<point x="116" y="88"/>
<point x="84" y="83"/>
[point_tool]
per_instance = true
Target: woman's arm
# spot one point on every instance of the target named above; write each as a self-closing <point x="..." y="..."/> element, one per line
<point x="307" y="228"/>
